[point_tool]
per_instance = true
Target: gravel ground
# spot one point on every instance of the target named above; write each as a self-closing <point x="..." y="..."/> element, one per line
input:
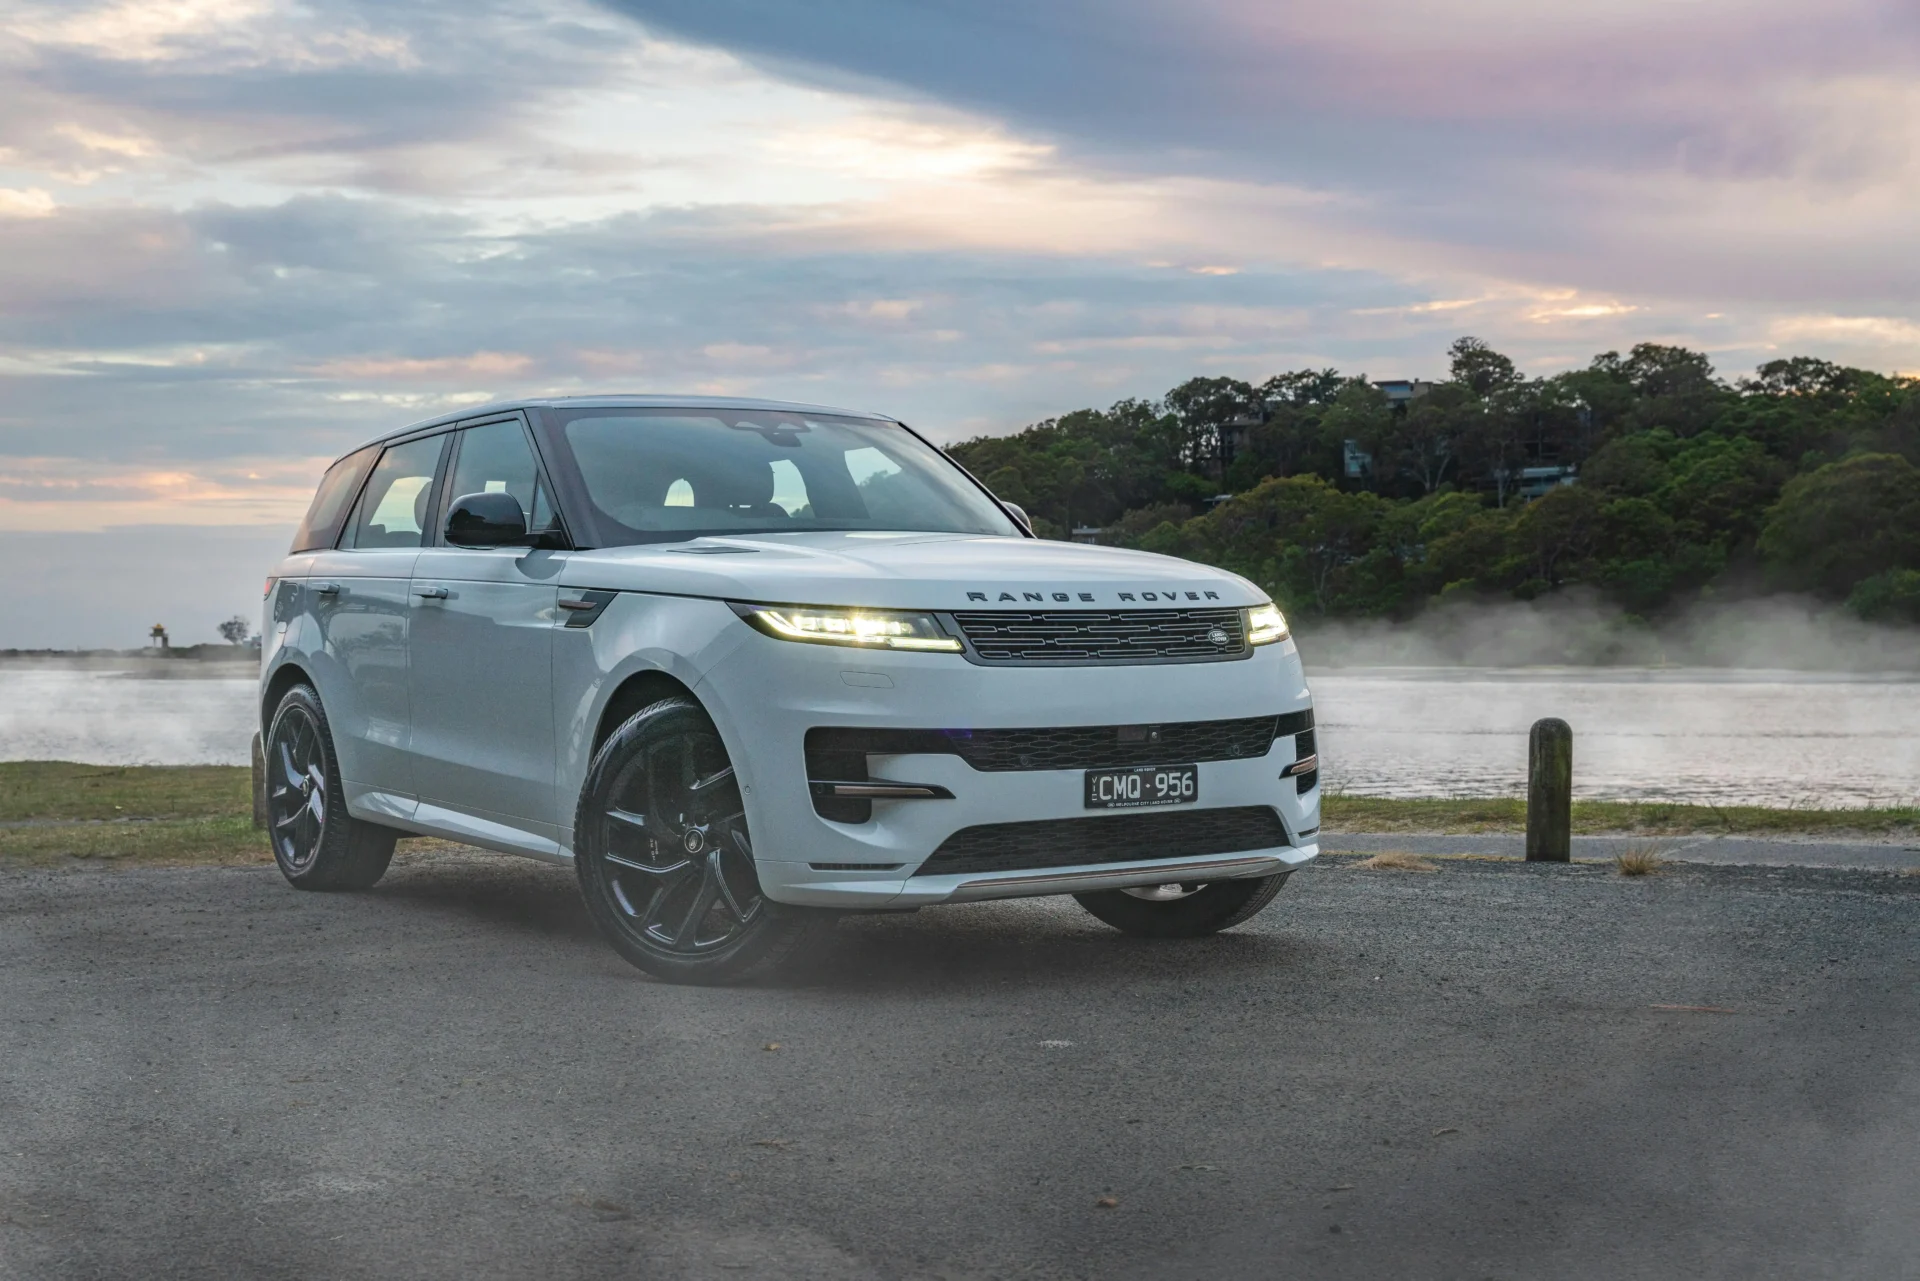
<point x="1494" y="1070"/>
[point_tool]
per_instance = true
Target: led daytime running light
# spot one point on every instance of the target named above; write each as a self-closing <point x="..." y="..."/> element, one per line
<point x="1265" y="625"/>
<point x="879" y="629"/>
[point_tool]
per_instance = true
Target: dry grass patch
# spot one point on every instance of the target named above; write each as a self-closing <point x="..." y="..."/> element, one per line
<point x="1398" y="861"/>
<point x="1639" y="860"/>
<point x="1471" y="817"/>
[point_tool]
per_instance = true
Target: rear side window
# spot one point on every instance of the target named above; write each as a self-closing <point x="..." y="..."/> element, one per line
<point x="322" y="526"/>
<point x="394" y="508"/>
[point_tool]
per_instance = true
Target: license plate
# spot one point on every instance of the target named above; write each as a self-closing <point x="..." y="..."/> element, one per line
<point x="1112" y="789"/>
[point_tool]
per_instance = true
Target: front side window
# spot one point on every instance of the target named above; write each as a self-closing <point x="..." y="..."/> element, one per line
<point x="495" y="458"/>
<point x="393" y="509"/>
<point x="322" y="526"/>
<point x="673" y="474"/>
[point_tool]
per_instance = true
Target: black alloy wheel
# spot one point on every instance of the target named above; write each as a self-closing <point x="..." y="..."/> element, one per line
<point x="1182" y="910"/>
<point x="316" y="843"/>
<point x="664" y="859"/>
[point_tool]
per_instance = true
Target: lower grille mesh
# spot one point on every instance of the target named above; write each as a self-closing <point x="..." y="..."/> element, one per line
<point x="1056" y="747"/>
<point x="1068" y="842"/>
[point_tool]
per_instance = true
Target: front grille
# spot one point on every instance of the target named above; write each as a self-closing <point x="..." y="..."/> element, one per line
<point x="1126" y="838"/>
<point x="1092" y="637"/>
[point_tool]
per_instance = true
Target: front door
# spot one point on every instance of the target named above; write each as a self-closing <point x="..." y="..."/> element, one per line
<point x="361" y="601"/>
<point x="482" y="651"/>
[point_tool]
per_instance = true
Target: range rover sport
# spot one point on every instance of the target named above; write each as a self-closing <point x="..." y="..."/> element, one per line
<point x="748" y="665"/>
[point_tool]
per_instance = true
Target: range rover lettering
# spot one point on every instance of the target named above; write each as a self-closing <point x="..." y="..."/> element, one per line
<point x="748" y="666"/>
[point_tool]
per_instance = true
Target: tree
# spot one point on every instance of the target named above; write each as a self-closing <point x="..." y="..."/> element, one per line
<point x="236" y="630"/>
<point x="1843" y="523"/>
<point x="1205" y="408"/>
<point x="1480" y="368"/>
<point x="1556" y="534"/>
<point x="1806" y="469"/>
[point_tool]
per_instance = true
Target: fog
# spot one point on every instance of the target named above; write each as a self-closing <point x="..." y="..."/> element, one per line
<point x="1578" y="629"/>
<point x="105" y="589"/>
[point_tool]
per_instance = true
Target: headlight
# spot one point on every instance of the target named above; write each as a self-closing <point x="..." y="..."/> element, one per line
<point x="1265" y="625"/>
<point x="867" y="628"/>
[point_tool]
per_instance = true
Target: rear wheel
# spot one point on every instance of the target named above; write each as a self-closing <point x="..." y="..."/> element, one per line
<point x="664" y="859"/>
<point x="318" y="845"/>
<point x="1182" y="910"/>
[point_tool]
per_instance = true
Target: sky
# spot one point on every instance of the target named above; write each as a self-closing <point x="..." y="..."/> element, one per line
<point x="239" y="236"/>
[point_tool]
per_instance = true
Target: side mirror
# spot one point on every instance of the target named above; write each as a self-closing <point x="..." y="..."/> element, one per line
<point x="1019" y="514"/>
<point x="486" y="520"/>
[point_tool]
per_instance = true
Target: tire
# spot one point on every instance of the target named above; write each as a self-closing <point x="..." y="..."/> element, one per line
<point x="1185" y="911"/>
<point x="317" y="844"/>
<point x="660" y="846"/>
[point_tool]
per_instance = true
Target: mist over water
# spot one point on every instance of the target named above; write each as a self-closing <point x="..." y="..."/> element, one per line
<point x="126" y="716"/>
<point x="1780" y="702"/>
<point x="1807" y="739"/>
<point x="1578" y="629"/>
<point x="1705" y="736"/>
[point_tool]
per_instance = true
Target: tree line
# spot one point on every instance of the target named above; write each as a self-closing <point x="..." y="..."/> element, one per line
<point x="1646" y="477"/>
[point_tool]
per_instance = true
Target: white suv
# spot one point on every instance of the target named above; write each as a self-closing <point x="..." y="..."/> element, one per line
<point x="747" y="665"/>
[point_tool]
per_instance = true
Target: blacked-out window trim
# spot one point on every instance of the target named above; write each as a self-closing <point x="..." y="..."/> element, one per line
<point x="542" y="474"/>
<point x="440" y="475"/>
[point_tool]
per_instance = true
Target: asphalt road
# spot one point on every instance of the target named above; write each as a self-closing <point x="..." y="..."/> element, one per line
<point x="1479" y="1072"/>
<point x="1895" y="854"/>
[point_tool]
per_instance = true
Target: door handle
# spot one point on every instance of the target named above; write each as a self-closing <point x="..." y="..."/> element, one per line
<point x="431" y="593"/>
<point x="326" y="589"/>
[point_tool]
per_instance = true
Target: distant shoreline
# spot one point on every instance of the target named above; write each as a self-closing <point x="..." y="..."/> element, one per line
<point x="187" y="660"/>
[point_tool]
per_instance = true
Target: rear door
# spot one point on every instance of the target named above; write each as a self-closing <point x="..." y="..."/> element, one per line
<point x="361" y="603"/>
<point x="482" y="650"/>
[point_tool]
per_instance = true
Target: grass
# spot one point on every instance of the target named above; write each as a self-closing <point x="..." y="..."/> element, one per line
<point x="54" y="811"/>
<point x="63" y="791"/>
<point x="1602" y="818"/>
<point x="1638" y="860"/>
<point x="1398" y="861"/>
<point x="158" y="842"/>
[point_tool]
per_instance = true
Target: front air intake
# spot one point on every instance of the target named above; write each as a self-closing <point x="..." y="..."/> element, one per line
<point x="1126" y="838"/>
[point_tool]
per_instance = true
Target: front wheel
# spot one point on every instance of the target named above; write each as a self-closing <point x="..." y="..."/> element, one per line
<point x="318" y="845"/>
<point x="664" y="859"/>
<point x="1182" y="910"/>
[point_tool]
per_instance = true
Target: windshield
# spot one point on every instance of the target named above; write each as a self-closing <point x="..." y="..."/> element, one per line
<point x="666" y="475"/>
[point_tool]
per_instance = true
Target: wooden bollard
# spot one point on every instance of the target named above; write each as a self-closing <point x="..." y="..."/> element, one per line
<point x="1550" y="792"/>
<point x="259" y="782"/>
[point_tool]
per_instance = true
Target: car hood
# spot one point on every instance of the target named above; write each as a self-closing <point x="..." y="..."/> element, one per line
<point x="909" y="571"/>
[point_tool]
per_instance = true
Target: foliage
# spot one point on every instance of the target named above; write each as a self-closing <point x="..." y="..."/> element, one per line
<point x="1644" y="476"/>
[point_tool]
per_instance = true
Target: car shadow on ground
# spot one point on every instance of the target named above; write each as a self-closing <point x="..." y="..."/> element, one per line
<point x="1029" y="941"/>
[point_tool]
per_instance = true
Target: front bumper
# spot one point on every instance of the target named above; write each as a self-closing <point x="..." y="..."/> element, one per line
<point x="766" y="694"/>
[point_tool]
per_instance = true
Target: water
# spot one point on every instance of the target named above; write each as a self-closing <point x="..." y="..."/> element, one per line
<point x="1717" y="737"/>
<point x="128" y="716"/>
<point x="1707" y="737"/>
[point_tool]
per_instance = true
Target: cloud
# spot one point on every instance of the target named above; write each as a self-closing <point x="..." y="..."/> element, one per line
<point x="1767" y="151"/>
<point x="237" y="237"/>
<point x="31" y="203"/>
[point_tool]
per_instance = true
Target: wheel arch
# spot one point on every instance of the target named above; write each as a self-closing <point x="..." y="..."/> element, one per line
<point x="284" y="678"/>
<point x="642" y="689"/>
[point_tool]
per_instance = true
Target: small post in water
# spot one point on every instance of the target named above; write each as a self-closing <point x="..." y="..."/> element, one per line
<point x="1550" y="792"/>
<point x="259" y="782"/>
